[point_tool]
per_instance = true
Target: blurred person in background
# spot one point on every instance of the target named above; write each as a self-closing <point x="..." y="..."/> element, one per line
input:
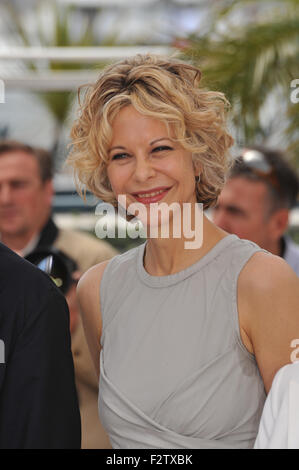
<point x="26" y="225"/>
<point x="26" y="194"/>
<point x="256" y="200"/>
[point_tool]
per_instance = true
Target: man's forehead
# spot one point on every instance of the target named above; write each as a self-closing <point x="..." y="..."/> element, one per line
<point x="243" y="192"/>
<point x="18" y="163"/>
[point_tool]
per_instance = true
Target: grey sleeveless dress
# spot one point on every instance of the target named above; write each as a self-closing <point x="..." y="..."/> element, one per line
<point x="174" y="372"/>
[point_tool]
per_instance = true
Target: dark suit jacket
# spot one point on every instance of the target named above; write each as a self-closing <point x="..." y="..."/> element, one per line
<point x="38" y="401"/>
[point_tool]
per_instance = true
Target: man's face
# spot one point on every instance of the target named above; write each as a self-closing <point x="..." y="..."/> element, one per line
<point x="25" y="200"/>
<point x="242" y="209"/>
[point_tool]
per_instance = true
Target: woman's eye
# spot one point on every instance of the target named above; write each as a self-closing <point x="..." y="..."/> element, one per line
<point x="161" y="148"/>
<point x="119" y="156"/>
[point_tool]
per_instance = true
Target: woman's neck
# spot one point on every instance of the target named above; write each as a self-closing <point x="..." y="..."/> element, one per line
<point x="164" y="256"/>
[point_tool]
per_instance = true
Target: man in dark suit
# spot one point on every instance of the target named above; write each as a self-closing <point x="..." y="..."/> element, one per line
<point x="38" y="401"/>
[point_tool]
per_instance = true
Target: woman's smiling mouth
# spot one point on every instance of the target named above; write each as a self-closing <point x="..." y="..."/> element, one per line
<point x="152" y="195"/>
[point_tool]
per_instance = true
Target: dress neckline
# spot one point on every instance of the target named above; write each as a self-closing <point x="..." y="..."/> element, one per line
<point x="171" y="279"/>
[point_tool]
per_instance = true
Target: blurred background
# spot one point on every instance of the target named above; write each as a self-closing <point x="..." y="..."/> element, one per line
<point x="246" y="49"/>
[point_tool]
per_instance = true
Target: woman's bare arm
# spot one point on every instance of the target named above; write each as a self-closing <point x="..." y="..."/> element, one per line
<point x="268" y="304"/>
<point x="88" y="293"/>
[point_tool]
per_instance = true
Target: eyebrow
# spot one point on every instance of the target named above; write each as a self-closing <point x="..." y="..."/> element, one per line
<point x="151" y="143"/>
<point x="235" y="209"/>
<point x="158" y="140"/>
<point x="117" y="147"/>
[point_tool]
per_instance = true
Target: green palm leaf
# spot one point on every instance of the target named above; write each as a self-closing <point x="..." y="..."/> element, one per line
<point x="250" y="64"/>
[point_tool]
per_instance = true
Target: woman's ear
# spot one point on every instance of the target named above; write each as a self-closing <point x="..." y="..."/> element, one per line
<point x="197" y="169"/>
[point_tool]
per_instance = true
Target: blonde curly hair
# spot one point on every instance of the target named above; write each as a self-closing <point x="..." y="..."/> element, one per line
<point x="163" y="88"/>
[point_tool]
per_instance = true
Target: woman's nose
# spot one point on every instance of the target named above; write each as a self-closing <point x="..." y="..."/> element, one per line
<point x="143" y="169"/>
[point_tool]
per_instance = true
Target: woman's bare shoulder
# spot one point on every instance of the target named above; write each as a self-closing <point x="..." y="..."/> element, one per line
<point x="265" y="271"/>
<point x="268" y="302"/>
<point x="88" y="291"/>
<point x="268" y="288"/>
<point x="91" y="278"/>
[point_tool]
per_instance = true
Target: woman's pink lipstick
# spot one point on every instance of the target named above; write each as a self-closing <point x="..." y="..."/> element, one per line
<point x="151" y="199"/>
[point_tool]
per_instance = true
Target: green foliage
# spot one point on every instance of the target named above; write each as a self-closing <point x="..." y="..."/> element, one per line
<point x="249" y="63"/>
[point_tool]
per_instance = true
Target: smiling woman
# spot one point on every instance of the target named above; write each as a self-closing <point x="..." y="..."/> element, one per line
<point x="194" y="116"/>
<point x="186" y="339"/>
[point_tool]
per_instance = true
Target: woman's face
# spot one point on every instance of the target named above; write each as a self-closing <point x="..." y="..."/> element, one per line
<point x="146" y="164"/>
